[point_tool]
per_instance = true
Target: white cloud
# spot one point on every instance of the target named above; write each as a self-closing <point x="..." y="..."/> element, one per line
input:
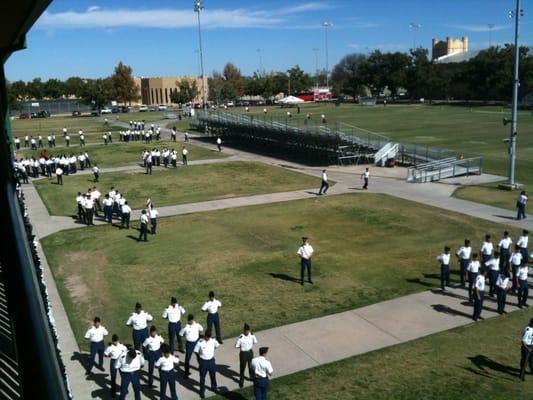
<point x="480" y="28"/>
<point x="93" y="8"/>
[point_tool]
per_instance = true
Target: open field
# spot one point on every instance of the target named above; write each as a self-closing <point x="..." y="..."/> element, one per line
<point x="476" y="362"/>
<point x="120" y="153"/>
<point x="368" y="249"/>
<point x="55" y="125"/>
<point x="177" y="186"/>
<point x="489" y="194"/>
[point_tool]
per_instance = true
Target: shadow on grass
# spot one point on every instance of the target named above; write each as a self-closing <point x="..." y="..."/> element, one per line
<point x="284" y="277"/>
<point x="485" y="365"/>
<point x="419" y="282"/>
<point x="506" y="217"/>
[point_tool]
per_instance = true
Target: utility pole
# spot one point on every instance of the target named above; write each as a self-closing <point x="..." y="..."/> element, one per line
<point x="326" y="26"/>
<point x="316" y="50"/>
<point x="198" y="6"/>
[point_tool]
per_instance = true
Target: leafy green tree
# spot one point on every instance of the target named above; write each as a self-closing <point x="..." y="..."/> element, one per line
<point x="300" y="81"/>
<point x="187" y="92"/>
<point x="98" y="92"/>
<point x="233" y="77"/>
<point x="74" y="86"/>
<point x="35" y="89"/>
<point x="346" y="75"/>
<point x="53" y="88"/>
<point x="124" y="88"/>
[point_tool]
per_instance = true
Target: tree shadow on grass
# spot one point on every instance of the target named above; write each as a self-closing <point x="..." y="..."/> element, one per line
<point x="284" y="277"/>
<point x="485" y="366"/>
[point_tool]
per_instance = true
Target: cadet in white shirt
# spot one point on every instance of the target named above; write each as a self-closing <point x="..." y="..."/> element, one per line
<point x="59" y="174"/>
<point x="126" y="213"/>
<point x="526" y="349"/>
<point x="486" y="249"/>
<point x="505" y="251"/>
<point x="219" y="144"/>
<point x="152" y="344"/>
<point x="522" y="243"/>
<point x="129" y="365"/>
<point x="96" y="173"/>
<point x="184" y="154"/>
<point x="191" y="331"/>
<point x="167" y="365"/>
<point x="96" y="335"/>
<point x="523" y="285"/>
<point x="494" y="269"/>
<point x="88" y="206"/>
<point x="479" y="294"/>
<point x="138" y="320"/>
<point x="245" y="342"/>
<point x="114" y="351"/>
<point x="144" y="226"/>
<point x="305" y="252"/>
<point x="502" y="285"/>
<point x="473" y="270"/>
<point x="211" y="306"/>
<point x="464" y="254"/>
<point x="365" y="176"/>
<point x="325" y="185"/>
<point x="444" y="260"/>
<point x="516" y="262"/>
<point x="521" y="205"/>
<point x="108" y="208"/>
<point x="262" y="371"/>
<point x="173" y="313"/>
<point x="153" y="218"/>
<point x="205" y="348"/>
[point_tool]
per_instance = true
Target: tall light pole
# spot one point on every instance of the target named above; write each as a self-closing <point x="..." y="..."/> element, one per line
<point x="316" y="50"/>
<point x="326" y="26"/>
<point x="415" y="26"/>
<point x="516" y="14"/>
<point x="260" y="52"/>
<point x="198" y="6"/>
<point x="490" y="26"/>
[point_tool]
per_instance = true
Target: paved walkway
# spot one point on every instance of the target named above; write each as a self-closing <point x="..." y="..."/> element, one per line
<point x="298" y="346"/>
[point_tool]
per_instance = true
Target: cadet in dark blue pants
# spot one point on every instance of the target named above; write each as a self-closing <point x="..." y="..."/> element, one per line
<point x="167" y="365"/>
<point x="473" y="270"/>
<point x="96" y="335"/>
<point x="191" y="331"/>
<point x="114" y="351"/>
<point x="262" y="371"/>
<point x="152" y="344"/>
<point x="444" y="260"/>
<point x="129" y="366"/>
<point x="479" y="294"/>
<point x="211" y="306"/>
<point x="173" y="313"/>
<point x="205" y="348"/>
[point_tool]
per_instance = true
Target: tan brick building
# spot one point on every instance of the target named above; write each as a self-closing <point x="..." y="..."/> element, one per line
<point x="158" y="90"/>
<point x="443" y="48"/>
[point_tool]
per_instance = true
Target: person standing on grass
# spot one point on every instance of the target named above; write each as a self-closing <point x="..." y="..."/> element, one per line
<point x="522" y="242"/>
<point x="129" y="366"/>
<point x="523" y="285"/>
<point x="521" y="205"/>
<point x="219" y="144"/>
<point x="502" y="285"/>
<point x="211" y="306"/>
<point x="186" y="134"/>
<point x="96" y="173"/>
<point x="365" y="176"/>
<point x="473" y="271"/>
<point x="444" y="260"/>
<point x="184" y="154"/>
<point x="153" y="217"/>
<point x="152" y="344"/>
<point x="88" y="206"/>
<point x="148" y="161"/>
<point x="325" y="185"/>
<point x="478" y="295"/>
<point x="173" y="313"/>
<point x="108" y="208"/>
<point x="262" y="372"/>
<point x="96" y="335"/>
<point x="486" y="249"/>
<point x="505" y="251"/>
<point x="67" y="141"/>
<point x="305" y="252"/>
<point x="463" y="255"/>
<point x="173" y="134"/>
<point x="59" y="174"/>
<point x="126" y="214"/>
<point x="167" y="364"/>
<point x="526" y="350"/>
<point x="245" y="342"/>
<point x="493" y="266"/>
<point x="144" y="226"/>
<point x="191" y="331"/>
<point x="205" y="348"/>
<point x="138" y="320"/>
<point x="81" y="212"/>
<point x="114" y="351"/>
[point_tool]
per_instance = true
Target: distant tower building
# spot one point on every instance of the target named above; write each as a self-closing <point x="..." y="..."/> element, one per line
<point x="442" y="48"/>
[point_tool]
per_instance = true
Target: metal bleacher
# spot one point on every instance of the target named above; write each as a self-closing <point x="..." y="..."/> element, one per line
<point x="446" y="168"/>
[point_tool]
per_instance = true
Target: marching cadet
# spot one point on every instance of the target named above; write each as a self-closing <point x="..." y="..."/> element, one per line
<point x="516" y="262"/>
<point x="26" y="141"/>
<point x="479" y="294"/>
<point x="167" y="364"/>
<point x="522" y="243"/>
<point x="153" y="218"/>
<point x="523" y="286"/>
<point x="463" y="255"/>
<point x="17" y="143"/>
<point x="82" y="140"/>
<point x="81" y="212"/>
<point x="444" y="260"/>
<point x="166" y="154"/>
<point x="108" y="208"/>
<point x="114" y="351"/>
<point x="502" y="285"/>
<point x="174" y="158"/>
<point x="144" y="226"/>
<point x="219" y="144"/>
<point x="33" y="143"/>
<point x="49" y="139"/>
<point x="211" y="306"/>
<point x="59" y="174"/>
<point x="96" y="335"/>
<point x="126" y="213"/>
<point x="104" y="136"/>
<point x="205" y="348"/>
<point x="245" y="342"/>
<point x="96" y="172"/>
<point x="325" y="185"/>
<point x="53" y="140"/>
<point x="138" y="320"/>
<point x="505" y="251"/>
<point x="152" y="344"/>
<point x="191" y="331"/>
<point x="67" y="141"/>
<point x="148" y="161"/>
<point x="129" y="365"/>
<point x="186" y="134"/>
<point x="493" y="266"/>
<point x="365" y="176"/>
<point x="184" y="154"/>
<point x="40" y="142"/>
<point x="87" y="159"/>
<point x="305" y="252"/>
<point x="525" y="349"/>
<point x="88" y="206"/>
<point x="173" y="134"/>
<point x="486" y="249"/>
<point x="262" y="371"/>
<point x="173" y="313"/>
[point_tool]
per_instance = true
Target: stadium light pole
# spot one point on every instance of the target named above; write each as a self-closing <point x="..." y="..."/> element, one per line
<point x="260" y="52"/>
<point x="316" y="50"/>
<point x="198" y="7"/>
<point x="516" y="14"/>
<point x="490" y="26"/>
<point x="326" y="26"/>
<point x="415" y="26"/>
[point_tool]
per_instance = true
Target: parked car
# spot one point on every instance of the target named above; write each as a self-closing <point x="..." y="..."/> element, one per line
<point x="115" y="110"/>
<point x="162" y="107"/>
<point x="76" y="113"/>
<point x="153" y="108"/>
<point x="143" y="108"/>
<point x="95" y="113"/>
<point x="43" y="114"/>
<point x="106" y="110"/>
<point x="230" y="104"/>
<point x="124" y="109"/>
<point x="33" y="115"/>
<point x="24" y="116"/>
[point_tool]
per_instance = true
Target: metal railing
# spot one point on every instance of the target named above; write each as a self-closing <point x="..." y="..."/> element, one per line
<point x="441" y="169"/>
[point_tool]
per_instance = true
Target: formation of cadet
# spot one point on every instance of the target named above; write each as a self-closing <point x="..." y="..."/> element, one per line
<point x="164" y="157"/>
<point x="46" y="164"/>
<point x="150" y="346"/>
<point x="503" y="267"/>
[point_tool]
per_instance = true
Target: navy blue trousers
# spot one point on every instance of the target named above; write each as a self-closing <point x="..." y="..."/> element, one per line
<point x="471" y="280"/>
<point x="168" y="378"/>
<point x="127" y="378"/>
<point x="153" y="356"/>
<point x="478" y="305"/>
<point x="96" y="348"/>
<point x="260" y="388"/>
<point x="139" y="336"/>
<point x="523" y="292"/>
<point x="189" y="350"/>
<point x="305" y="264"/>
<point x="444" y="275"/>
<point x="113" y="373"/>
<point x="214" y="319"/>
<point x="205" y="367"/>
<point x="174" y="329"/>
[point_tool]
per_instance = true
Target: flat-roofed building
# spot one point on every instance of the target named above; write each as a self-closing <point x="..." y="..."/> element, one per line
<point x="158" y="90"/>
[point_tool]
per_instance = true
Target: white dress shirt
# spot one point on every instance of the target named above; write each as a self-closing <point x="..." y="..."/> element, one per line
<point x="444" y="259"/>
<point x="115" y="351"/>
<point x="153" y="213"/>
<point x="505" y="243"/>
<point x="96" y="334"/>
<point x="262" y="367"/>
<point x="487" y="248"/>
<point x="139" y="320"/>
<point x="173" y="313"/>
<point x="523" y="273"/>
<point x="206" y="348"/>
<point x="212" y="306"/>
<point x="480" y="283"/>
<point x="153" y="343"/>
<point x="523" y="241"/>
<point x="126" y="209"/>
<point x="516" y="258"/>
<point x="527" y="336"/>
<point x="502" y="282"/>
<point x="191" y="331"/>
<point x="473" y="266"/>
<point x="246" y="342"/>
<point x="133" y="365"/>
<point x="144" y="219"/>
<point x="324" y="176"/>
<point x="464" y="252"/>
<point x="493" y="264"/>
<point x="306" y="251"/>
<point x="167" y="363"/>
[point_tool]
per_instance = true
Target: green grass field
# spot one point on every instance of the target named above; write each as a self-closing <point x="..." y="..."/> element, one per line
<point x="55" y="125"/>
<point x="177" y="186"/>
<point x="367" y="250"/>
<point x="479" y="361"/>
<point x="489" y="194"/>
<point x="120" y="153"/>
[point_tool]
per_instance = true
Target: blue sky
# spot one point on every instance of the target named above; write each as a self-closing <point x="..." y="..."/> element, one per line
<point x="160" y="38"/>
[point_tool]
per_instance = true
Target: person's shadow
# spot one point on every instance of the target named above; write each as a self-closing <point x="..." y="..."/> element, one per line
<point x="284" y="277"/>
<point x="96" y="376"/>
<point x="484" y="367"/>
